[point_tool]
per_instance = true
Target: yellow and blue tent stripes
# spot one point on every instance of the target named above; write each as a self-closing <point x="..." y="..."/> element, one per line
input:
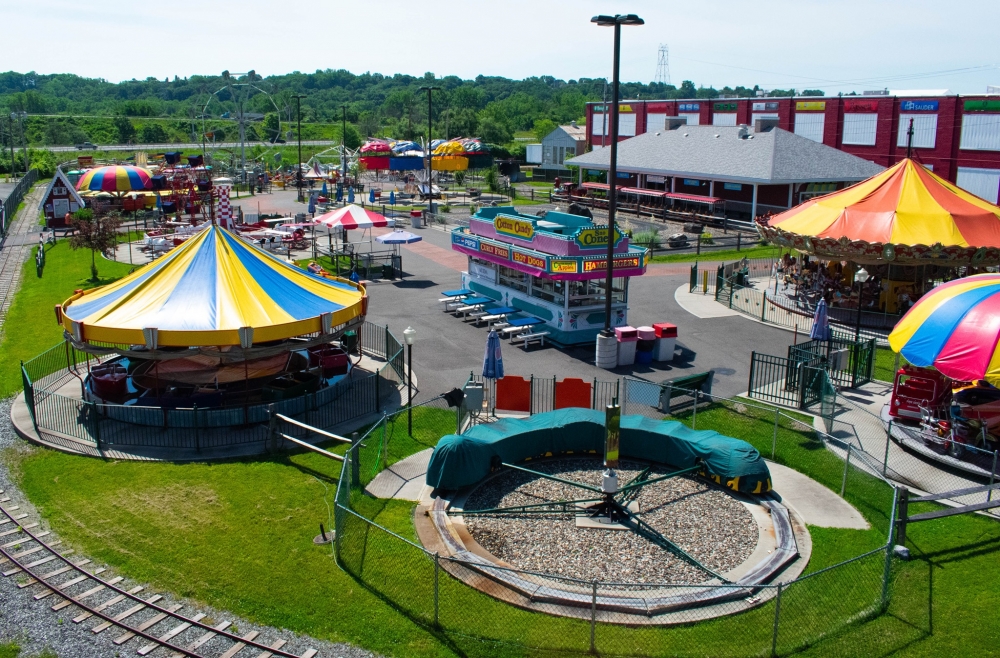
<point x="203" y="292"/>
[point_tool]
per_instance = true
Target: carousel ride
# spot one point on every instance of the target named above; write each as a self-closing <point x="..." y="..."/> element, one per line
<point x="213" y="323"/>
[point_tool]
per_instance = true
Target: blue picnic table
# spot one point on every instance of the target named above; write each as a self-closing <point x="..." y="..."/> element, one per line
<point x="457" y="293"/>
<point x="524" y="322"/>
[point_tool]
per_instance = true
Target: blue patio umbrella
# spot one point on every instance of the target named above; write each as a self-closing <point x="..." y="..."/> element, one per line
<point x="493" y="360"/>
<point x="340" y="192"/>
<point x="323" y="191"/>
<point x="392" y="198"/>
<point x="312" y="204"/>
<point x="371" y="196"/>
<point x="350" y="194"/>
<point x="821" y="322"/>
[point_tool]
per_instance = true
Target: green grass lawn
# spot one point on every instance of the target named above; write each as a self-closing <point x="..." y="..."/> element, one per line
<point x="30" y="327"/>
<point x="713" y="255"/>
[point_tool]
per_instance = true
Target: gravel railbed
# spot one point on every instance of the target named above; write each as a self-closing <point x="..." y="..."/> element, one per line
<point x="712" y="526"/>
<point x="36" y="628"/>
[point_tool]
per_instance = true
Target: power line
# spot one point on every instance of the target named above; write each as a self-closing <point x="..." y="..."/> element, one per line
<point x="663" y="65"/>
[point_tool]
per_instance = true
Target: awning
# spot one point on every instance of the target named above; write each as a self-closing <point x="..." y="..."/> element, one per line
<point x="642" y="192"/>
<point x="694" y="198"/>
<point x="599" y="186"/>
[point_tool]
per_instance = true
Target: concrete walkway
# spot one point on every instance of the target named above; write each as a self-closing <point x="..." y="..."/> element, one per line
<point x="701" y="306"/>
<point x="404" y="480"/>
<point x="816" y="504"/>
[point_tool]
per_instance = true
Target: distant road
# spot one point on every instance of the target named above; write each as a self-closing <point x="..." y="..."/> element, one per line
<point x="167" y="147"/>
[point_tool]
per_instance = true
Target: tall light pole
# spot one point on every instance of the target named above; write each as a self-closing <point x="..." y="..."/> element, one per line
<point x="408" y="335"/>
<point x="430" y="152"/>
<point x="343" y="148"/>
<point x="298" y="172"/>
<point x="860" y="276"/>
<point x="615" y="21"/>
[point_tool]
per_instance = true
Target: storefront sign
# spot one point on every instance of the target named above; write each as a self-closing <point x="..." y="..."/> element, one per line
<point x="656" y="179"/>
<point x="528" y="259"/>
<point x="918" y="106"/>
<point x="688" y="107"/>
<point x="495" y="250"/>
<point x="861" y="106"/>
<point x="518" y="228"/>
<point x="656" y="108"/>
<point x="625" y="108"/>
<point x="765" y="107"/>
<point x="619" y="264"/>
<point x="623" y="174"/>
<point x="807" y="106"/>
<point x="590" y="238"/>
<point x="594" y="172"/>
<point x="725" y="107"/>
<point x="599" y="108"/>
<point x="982" y="106"/>
<point x="563" y="266"/>
<point x="465" y="241"/>
<point x="690" y="182"/>
<point x="481" y="271"/>
<point x="735" y="187"/>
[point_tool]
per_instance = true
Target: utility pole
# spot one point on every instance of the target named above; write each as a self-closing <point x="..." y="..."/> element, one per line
<point x="430" y="152"/>
<point x="298" y="172"/>
<point x="10" y="133"/>
<point x="909" y="139"/>
<point x="343" y="147"/>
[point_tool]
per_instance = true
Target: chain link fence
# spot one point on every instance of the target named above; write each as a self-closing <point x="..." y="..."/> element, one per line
<point x="8" y="209"/>
<point x="501" y="614"/>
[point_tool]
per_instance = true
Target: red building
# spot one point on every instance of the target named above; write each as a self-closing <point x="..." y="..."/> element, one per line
<point x="958" y="137"/>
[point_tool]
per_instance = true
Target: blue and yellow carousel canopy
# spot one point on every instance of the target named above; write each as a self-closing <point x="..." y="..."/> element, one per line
<point x="205" y="291"/>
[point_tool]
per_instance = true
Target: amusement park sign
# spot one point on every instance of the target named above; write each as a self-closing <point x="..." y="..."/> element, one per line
<point x="592" y="238"/>
<point x="517" y="228"/>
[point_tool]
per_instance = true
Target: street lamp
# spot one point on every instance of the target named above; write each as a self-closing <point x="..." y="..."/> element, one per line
<point x="430" y="154"/>
<point x="408" y="335"/>
<point x="615" y="21"/>
<point x="298" y="174"/>
<point x="860" y="276"/>
<point x="343" y="148"/>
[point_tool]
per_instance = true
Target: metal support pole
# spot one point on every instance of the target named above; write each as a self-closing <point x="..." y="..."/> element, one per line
<point x="593" y="617"/>
<point x="355" y="459"/>
<point x="888" y="437"/>
<point x="898" y="514"/>
<point x="612" y="181"/>
<point x="272" y="428"/>
<point x="902" y="512"/>
<point x="774" y="436"/>
<point x="694" y="414"/>
<point x="847" y="464"/>
<point x="993" y="474"/>
<point x="409" y="389"/>
<point x="437" y="579"/>
<point x="777" y="615"/>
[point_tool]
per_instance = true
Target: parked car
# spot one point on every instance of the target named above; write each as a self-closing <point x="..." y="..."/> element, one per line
<point x="85" y="146"/>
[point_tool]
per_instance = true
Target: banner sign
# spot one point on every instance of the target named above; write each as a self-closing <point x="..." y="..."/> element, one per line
<point x="860" y="106"/>
<point x="810" y="106"/>
<point x="625" y="108"/>
<point x="619" y="264"/>
<point x="982" y="106"/>
<point x="689" y="107"/>
<point x="771" y="106"/>
<point x="725" y="107"/>
<point x="517" y="228"/>
<point x="592" y="238"/>
<point x="656" y="108"/>
<point x="918" y="106"/>
<point x="528" y="259"/>
<point x="563" y="266"/>
<point x="495" y="250"/>
<point x="466" y="241"/>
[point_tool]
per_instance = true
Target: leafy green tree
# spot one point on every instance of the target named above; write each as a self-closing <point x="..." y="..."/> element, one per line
<point x="494" y="131"/>
<point x="125" y="130"/>
<point x="99" y="234"/>
<point x="152" y="133"/>
<point x="542" y="128"/>
<point x="271" y="126"/>
<point x="687" y="90"/>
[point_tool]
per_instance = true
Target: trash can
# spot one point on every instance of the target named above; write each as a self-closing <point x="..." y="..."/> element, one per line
<point x="666" y="341"/>
<point x="627" y="339"/>
<point x="416" y="219"/>
<point x="350" y="342"/>
<point x="644" y="346"/>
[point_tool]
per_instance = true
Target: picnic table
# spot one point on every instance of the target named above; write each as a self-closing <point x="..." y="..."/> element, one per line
<point x="462" y="292"/>
<point x="452" y="298"/>
<point x="470" y="304"/>
<point x="491" y="314"/>
<point x="517" y="325"/>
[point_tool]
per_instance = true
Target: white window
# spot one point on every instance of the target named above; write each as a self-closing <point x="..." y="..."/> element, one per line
<point x="984" y="183"/>
<point x="762" y="115"/>
<point x="724" y="119"/>
<point x="626" y="125"/>
<point x="980" y="132"/>
<point x="655" y="122"/>
<point x="597" y="127"/>
<point x="692" y="117"/>
<point x="810" y="125"/>
<point x="860" y="129"/>
<point x="924" y="130"/>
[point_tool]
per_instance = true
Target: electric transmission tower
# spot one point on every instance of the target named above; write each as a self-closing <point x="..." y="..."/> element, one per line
<point x="663" y="65"/>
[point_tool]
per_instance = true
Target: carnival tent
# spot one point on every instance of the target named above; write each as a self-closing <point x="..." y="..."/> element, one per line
<point x="115" y="179"/>
<point x="906" y="214"/>
<point x="214" y="290"/>
<point x="351" y="218"/>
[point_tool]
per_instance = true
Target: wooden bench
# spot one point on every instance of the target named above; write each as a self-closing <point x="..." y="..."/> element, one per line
<point x="681" y="386"/>
<point x="528" y="338"/>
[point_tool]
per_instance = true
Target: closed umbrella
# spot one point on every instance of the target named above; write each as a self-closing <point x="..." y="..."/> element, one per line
<point x="821" y="322"/>
<point x="392" y="198"/>
<point x="371" y="195"/>
<point x="323" y="190"/>
<point x="493" y="360"/>
<point x="350" y="194"/>
<point x="312" y="204"/>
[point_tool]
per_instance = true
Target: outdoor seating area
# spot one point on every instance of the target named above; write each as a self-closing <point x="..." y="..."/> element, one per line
<point x="508" y="321"/>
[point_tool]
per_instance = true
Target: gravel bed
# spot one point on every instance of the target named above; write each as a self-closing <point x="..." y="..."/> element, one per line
<point x="712" y="526"/>
<point x="36" y="628"/>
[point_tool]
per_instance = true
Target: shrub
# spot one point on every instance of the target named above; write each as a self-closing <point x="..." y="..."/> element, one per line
<point x="650" y="239"/>
<point x="706" y="238"/>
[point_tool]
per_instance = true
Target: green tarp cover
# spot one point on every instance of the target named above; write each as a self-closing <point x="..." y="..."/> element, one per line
<point x="460" y="461"/>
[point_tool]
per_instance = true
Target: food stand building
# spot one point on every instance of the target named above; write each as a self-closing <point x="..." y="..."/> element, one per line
<point x="552" y="267"/>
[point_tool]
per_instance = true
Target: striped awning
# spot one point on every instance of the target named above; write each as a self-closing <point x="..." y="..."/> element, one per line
<point x="214" y="290"/>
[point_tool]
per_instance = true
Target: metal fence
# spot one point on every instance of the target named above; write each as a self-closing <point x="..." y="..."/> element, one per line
<point x="542" y="396"/>
<point x="775" y="619"/>
<point x="71" y="422"/>
<point x="15" y="197"/>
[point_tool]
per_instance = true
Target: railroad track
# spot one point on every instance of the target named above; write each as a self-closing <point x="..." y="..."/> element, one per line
<point x="63" y="581"/>
<point x="12" y="254"/>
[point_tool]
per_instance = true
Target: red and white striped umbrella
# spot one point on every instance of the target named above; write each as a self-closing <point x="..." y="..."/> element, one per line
<point x="351" y="217"/>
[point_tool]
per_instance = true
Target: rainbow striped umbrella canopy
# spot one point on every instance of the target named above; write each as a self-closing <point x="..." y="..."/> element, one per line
<point x="115" y="179"/>
<point x="955" y="328"/>
<point x="207" y="292"/>
<point x="904" y="205"/>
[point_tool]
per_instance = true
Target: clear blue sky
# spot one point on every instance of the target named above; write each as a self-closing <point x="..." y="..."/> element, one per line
<point x="835" y="46"/>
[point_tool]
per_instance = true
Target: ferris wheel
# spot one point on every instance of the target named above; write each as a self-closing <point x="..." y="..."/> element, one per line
<point x="233" y="117"/>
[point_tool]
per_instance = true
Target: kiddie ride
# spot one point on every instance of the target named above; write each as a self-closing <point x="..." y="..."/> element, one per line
<point x="951" y="414"/>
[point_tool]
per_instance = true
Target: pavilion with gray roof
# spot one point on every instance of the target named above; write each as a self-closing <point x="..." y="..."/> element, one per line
<point x="768" y="169"/>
